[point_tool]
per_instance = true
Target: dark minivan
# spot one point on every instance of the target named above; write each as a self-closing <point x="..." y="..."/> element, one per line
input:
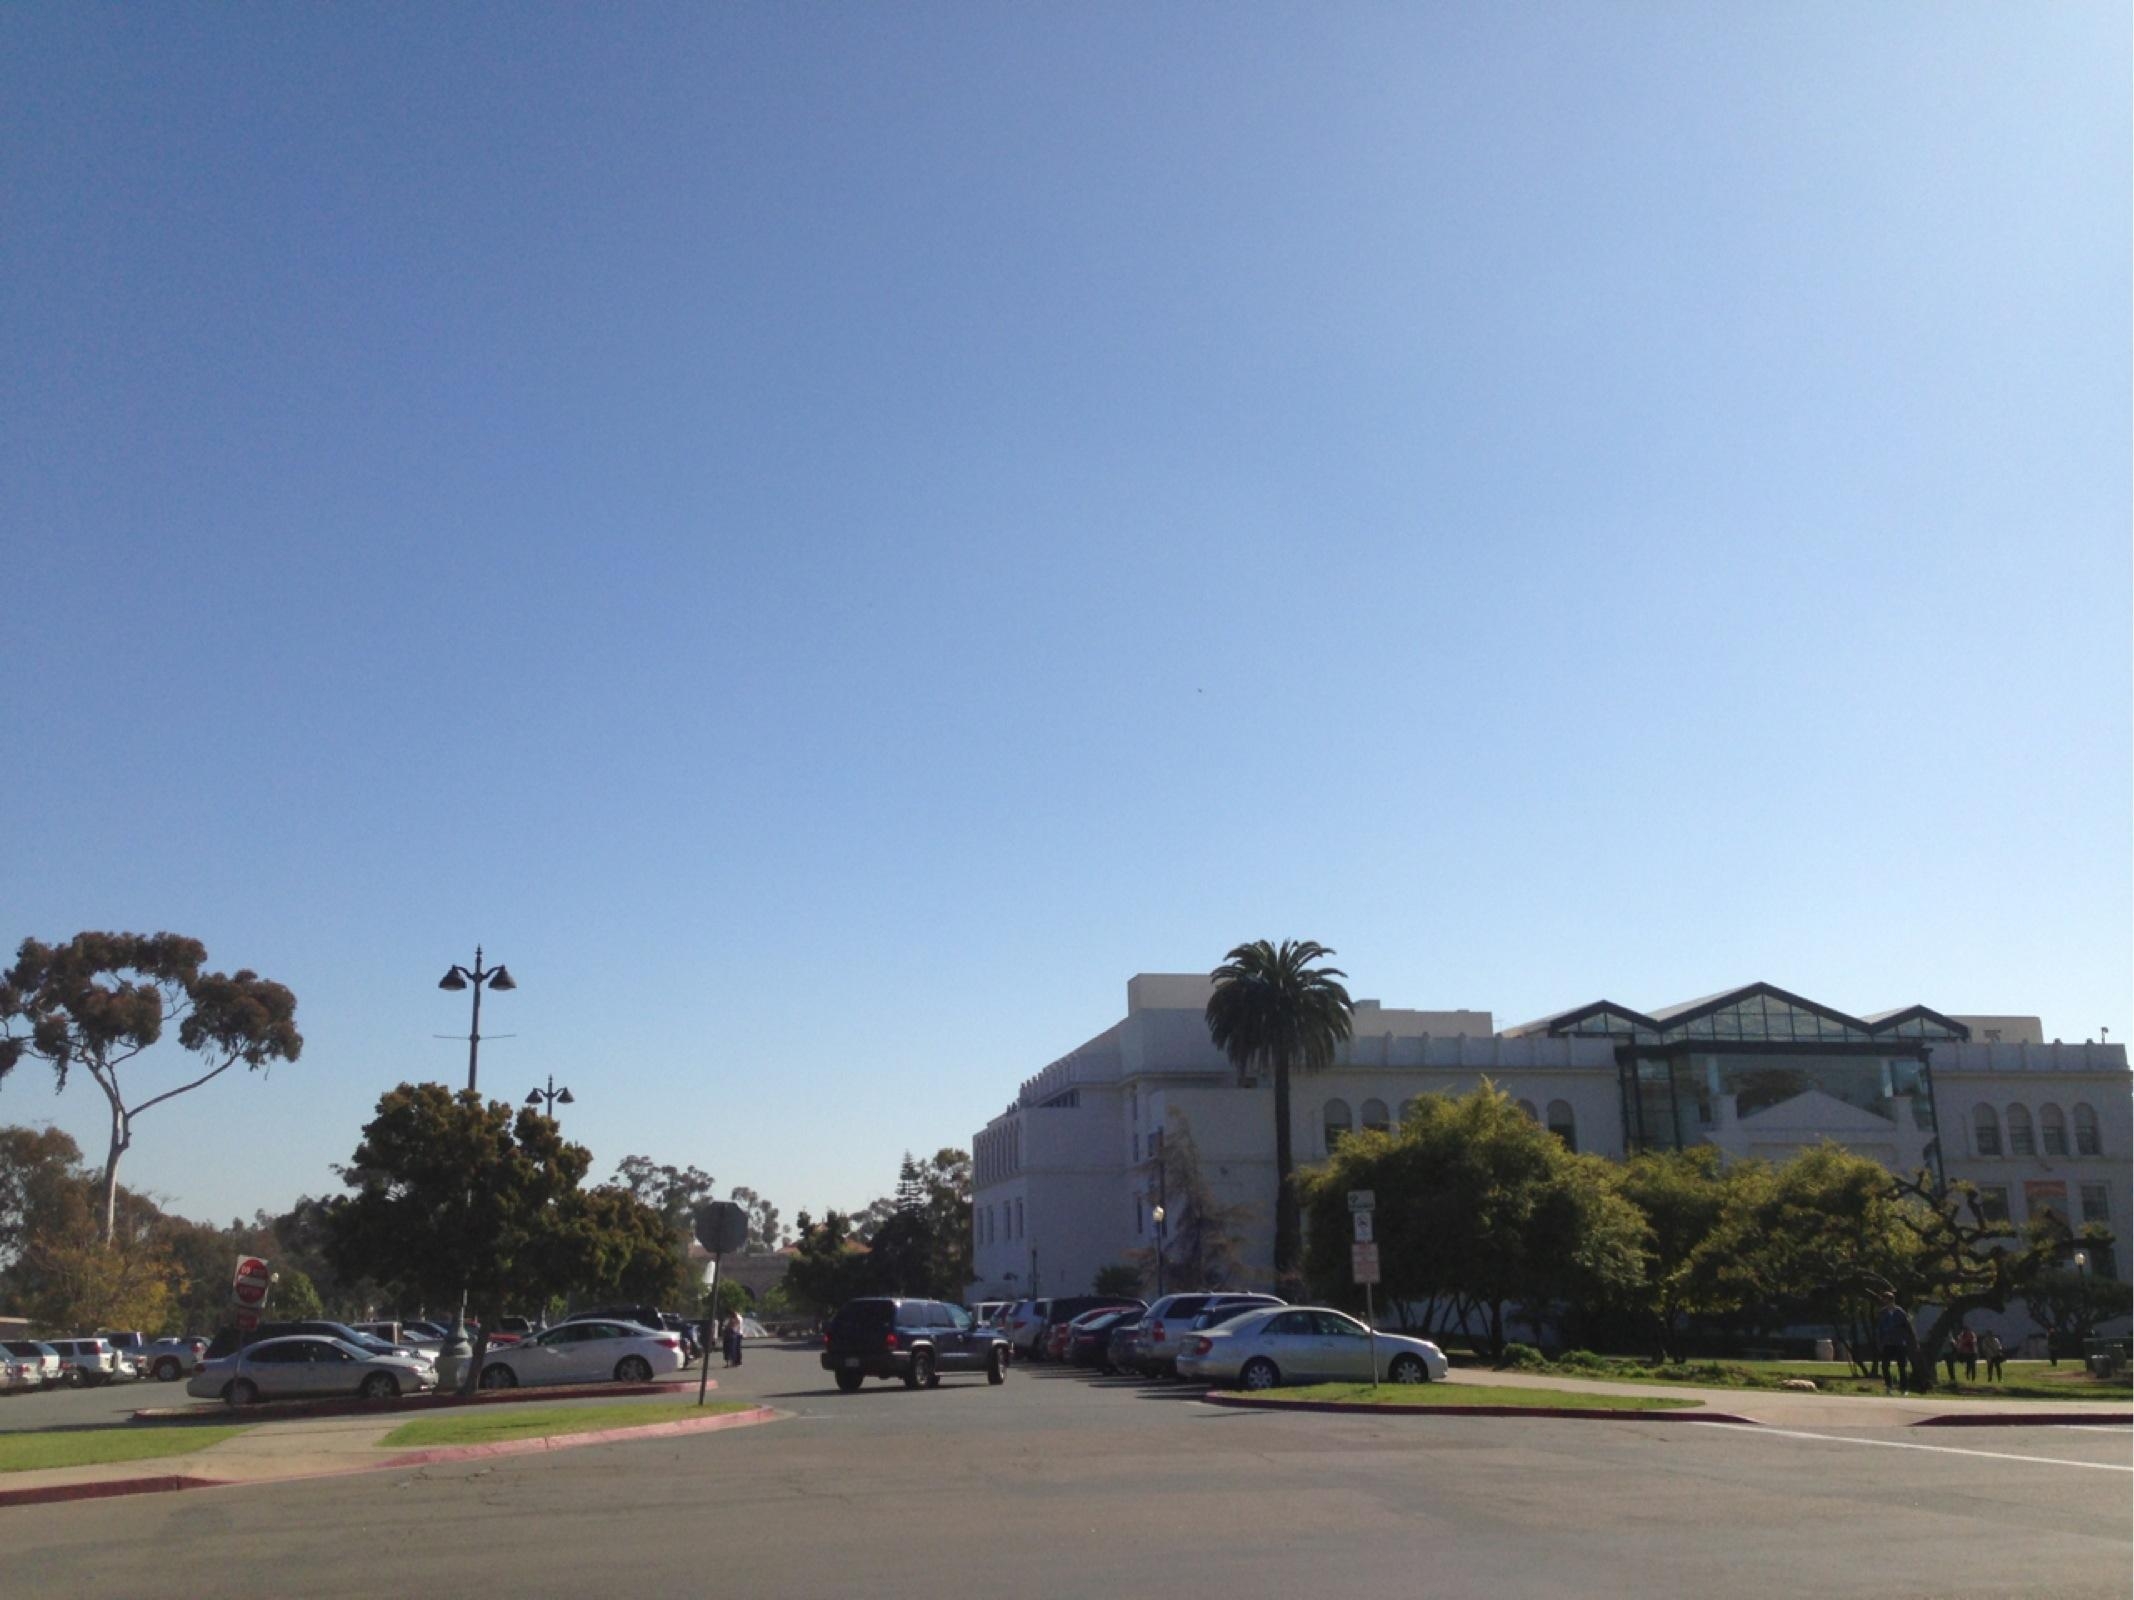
<point x="915" y="1340"/>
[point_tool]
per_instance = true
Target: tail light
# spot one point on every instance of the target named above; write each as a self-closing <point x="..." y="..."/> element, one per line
<point x="670" y="1344"/>
<point x="1156" y="1333"/>
<point x="890" y="1339"/>
<point x="1202" y="1346"/>
<point x="826" y="1340"/>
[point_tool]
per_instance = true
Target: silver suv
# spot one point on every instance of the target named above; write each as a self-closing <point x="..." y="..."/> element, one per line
<point x="89" y="1362"/>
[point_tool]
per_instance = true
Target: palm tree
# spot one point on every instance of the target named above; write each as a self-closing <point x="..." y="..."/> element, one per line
<point x="1274" y="1008"/>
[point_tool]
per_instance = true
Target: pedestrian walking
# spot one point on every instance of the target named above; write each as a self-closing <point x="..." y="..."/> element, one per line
<point x="1990" y="1346"/>
<point x="1967" y="1347"/>
<point x="1895" y="1339"/>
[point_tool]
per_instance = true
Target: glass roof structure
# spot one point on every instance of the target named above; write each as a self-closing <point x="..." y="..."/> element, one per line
<point x="1756" y="1013"/>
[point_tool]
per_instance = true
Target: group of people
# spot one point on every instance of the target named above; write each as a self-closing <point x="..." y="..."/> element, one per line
<point x="1896" y="1343"/>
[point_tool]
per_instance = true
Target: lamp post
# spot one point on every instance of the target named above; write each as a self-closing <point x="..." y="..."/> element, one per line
<point x="457" y="1355"/>
<point x="552" y="1095"/>
<point x="1156" y="1214"/>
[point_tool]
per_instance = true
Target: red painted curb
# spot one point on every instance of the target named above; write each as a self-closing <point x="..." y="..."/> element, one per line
<point x="2030" y="1419"/>
<point x="297" y="1410"/>
<point x="571" y="1441"/>
<point x="103" y="1489"/>
<point x="1568" y="1413"/>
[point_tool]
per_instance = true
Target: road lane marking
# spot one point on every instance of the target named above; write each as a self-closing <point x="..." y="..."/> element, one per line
<point x="1898" y="1444"/>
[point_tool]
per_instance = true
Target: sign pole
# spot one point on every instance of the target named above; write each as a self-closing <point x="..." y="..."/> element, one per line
<point x="1370" y="1321"/>
<point x="711" y="1326"/>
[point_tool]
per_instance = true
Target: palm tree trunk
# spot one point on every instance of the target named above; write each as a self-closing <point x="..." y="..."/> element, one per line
<point x="1285" y="1195"/>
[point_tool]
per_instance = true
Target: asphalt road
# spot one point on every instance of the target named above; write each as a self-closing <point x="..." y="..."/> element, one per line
<point x="1081" y="1487"/>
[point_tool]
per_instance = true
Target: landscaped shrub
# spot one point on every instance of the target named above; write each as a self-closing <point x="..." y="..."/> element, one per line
<point x="1582" y="1361"/>
<point x="1522" y="1358"/>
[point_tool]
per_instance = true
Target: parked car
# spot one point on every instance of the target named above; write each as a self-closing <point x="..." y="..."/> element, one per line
<point x="916" y="1341"/>
<point x="989" y="1313"/>
<point x="1168" y="1321"/>
<point x="308" y="1365"/>
<point x="171" y="1358"/>
<point x="1065" y="1309"/>
<point x="131" y="1348"/>
<point x="90" y="1362"/>
<point x="517" y="1327"/>
<point x="1122" y="1351"/>
<point x="686" y="1331"/>
<point x="40" y="1361"/>
<point x="1089" y="1342"/>
<point x="1023" y="1323"/>
<point x="584" y="1351"/>
<point x="226" y="1340"/>
<point x="1059" y="1337"/>
<point x="1305" y="1344"/>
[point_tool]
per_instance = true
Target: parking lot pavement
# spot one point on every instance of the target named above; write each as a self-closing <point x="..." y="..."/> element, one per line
<point x="1084" y="1484"/>
<point x="82" y="1408"/>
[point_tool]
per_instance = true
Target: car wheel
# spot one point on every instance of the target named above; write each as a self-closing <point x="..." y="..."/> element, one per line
<point x="921" y="1374"/>
<point x="1260" y="1373"/>
<point x="996" y="1370"/>
<point x="499" y="1376"/>
<point x="241" y="1392"/>
<point x="849" y="1382"/>
<point x="167" y="1370"/>
<point x="1408" y="1369"/>
<point x="633" y="1369"/>
<point x="380" y="1386"/>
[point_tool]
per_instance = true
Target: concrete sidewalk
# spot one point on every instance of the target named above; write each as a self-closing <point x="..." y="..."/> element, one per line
<point x="277" y="1451"/>
<point x="1793" y="1408"/>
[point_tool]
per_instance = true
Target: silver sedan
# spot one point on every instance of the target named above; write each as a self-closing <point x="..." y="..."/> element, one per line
<point x="1304" y="1344"/>
<point x="308" y="1365"/>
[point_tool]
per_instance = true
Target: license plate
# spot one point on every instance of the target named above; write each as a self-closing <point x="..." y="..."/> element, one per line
<point x="852" y="1361"/>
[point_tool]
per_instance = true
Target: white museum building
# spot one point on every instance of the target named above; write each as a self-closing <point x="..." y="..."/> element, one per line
<point x="1061" y="1178"/>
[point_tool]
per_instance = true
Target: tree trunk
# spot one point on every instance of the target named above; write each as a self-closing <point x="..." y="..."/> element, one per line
<point x="121" y="1138"/>
<point x="1285" y="1198"/>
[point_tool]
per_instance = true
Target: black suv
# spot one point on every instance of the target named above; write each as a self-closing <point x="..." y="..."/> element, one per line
<point x="227" y="1340"/>
<point x="915" y="1340"/>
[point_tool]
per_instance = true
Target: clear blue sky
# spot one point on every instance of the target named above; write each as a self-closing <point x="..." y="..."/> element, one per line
<point x="828" y="537"/>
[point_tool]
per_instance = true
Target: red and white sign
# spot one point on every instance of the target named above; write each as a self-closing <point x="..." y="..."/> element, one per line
<point x="1363" y="1263"/>
<point x="247" y="1321"/>
<point x="249" y="1286"/>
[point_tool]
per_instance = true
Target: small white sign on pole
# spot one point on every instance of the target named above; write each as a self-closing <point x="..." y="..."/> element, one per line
<point x="1362" y="1220"/>
<point x="1362" y="1200"/>
<point x="1363" y="1263"/>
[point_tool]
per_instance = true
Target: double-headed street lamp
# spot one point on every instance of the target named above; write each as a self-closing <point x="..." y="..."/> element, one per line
<point x="478" y="977"/>
<point x="552" y="1096"/>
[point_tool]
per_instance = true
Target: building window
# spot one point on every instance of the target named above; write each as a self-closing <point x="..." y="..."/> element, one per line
<point x="1337" y="1124"/>
<point x="1140" y="1216"/>
<point x="1375" y="1116"/>
<point x="1993" y="1202"/>
<point x="2086" y="1132"/>
<point x="2096" y="1202"/>
<point x="1532" y="1115"/>
<point x="2052" y="1129"/>
<point x="1137" y="1144"/>
<point x="1018" y="1219"/>
<point x="2022" y="1141"/>
<point x="1563" y="1123"/>
<point x="1986" y="1132"/>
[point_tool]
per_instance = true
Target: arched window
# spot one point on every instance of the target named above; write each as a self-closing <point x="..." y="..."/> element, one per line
<point x="2052" y="1130"/>
<point x="2022" y="1141"/>
<point x="1375" y="1116"/>
<point x="1563" y="1122"/>
<point x="1985" y="1131"/>
<point x="2086" y="1132"/>
<point x="1531" y="1114"/>
<point x="1337" y="1123"/>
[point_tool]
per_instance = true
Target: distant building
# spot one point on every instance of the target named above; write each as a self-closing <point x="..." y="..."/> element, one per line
<point x="1060" y="1185"/>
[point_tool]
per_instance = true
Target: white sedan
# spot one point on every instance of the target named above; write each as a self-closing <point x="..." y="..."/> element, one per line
<point x="1304" y="1344"/>
<point x="585" y="1352"/>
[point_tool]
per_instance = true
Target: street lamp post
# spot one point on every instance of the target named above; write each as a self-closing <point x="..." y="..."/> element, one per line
<point x="552" y="1095"/>
<point x="457" y="1355"/>
<point x="1156" y="1213"/>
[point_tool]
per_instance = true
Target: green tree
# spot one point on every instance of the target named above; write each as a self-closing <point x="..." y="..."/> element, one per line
<point x="2067" y="1305"/>
<point x="1478" y="1209"/>
<point x="765" y="1236"/>
<point x="40" y="1169"/>
<point x="1275" y="1008"/>
<point x="830" y="1266"/>
<point x="1683" y="1197"/>
<point x="1122" y="1278"/>
<point x="101" y="999"/>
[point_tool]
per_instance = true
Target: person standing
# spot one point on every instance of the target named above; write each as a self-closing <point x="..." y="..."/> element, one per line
<point x="733" y="1339"/>
<point x="1989" y="1346"/>
<point x="1967" y="1347"/>
<point x="1895" y="1339"/>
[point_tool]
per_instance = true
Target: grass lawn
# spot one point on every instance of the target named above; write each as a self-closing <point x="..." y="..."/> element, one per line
<point x="2023" y="1380"/>
<point x="93" y="1447"/>
<point x="1472" y="1394"/>
<point x="490" y="1424"/>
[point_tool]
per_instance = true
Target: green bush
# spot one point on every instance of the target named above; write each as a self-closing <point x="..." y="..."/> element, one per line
<point x="1583" y="1361"/>
<point x="1522" y="1358"/>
